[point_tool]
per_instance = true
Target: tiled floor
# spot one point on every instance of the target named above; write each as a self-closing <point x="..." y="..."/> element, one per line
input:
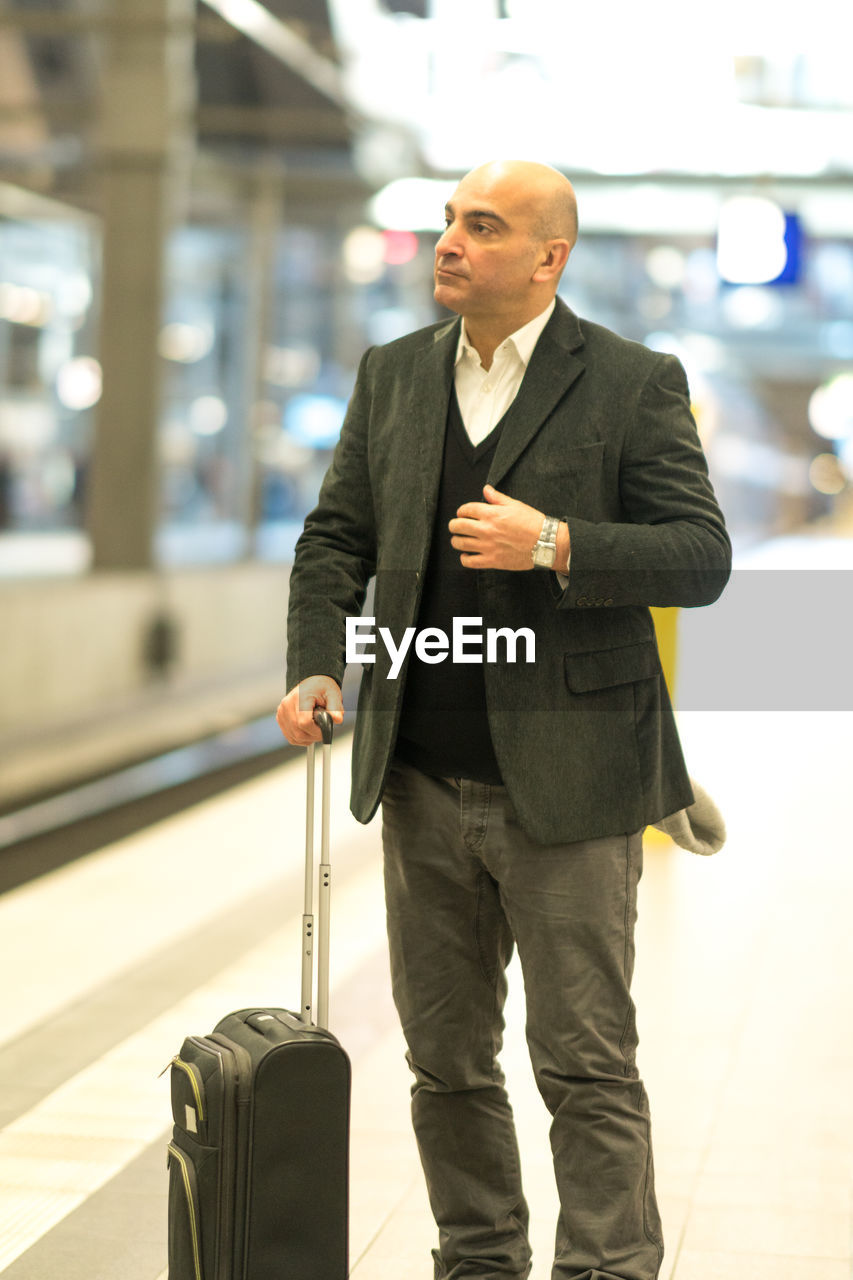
<point x="744" y="986"/>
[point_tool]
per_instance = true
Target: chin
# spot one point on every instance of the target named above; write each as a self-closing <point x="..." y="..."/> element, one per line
<point x="446" y="297"/>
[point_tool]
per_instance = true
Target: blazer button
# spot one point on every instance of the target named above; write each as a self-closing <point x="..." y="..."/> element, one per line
<point x="582" y="602"/>
<point x="608" y="602"/>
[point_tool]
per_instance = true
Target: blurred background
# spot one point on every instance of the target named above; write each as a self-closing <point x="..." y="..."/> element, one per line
<point x="209" y="208"/>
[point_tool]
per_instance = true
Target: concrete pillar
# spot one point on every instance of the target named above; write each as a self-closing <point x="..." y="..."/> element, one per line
<point x="266" y="216"/>
<point x="145" y="147"/>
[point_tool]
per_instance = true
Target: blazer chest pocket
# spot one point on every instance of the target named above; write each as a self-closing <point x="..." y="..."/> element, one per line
<point x="605" y="668"/>
<point x="569" y="484"/>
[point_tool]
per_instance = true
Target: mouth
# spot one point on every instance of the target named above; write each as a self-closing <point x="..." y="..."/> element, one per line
<point x="441" y="271"/>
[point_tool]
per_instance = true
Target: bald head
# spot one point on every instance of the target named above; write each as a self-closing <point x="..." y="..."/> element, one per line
<point x="510" y="226"/>
<point x="544" y="195"/>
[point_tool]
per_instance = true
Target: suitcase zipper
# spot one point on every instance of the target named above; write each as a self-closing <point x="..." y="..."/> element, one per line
<point x="191" y="1205"/>
<point x="178" y="1062"/>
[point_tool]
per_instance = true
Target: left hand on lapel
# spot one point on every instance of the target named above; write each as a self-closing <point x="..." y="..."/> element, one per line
<point x="499" y="533"/>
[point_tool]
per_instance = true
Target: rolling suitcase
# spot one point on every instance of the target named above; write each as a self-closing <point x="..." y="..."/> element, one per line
<point x="258" y="1161"/>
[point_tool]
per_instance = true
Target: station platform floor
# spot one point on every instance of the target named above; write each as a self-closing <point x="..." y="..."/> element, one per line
<point x="744" y="988"/>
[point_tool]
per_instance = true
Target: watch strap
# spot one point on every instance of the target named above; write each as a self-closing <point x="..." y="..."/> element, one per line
<point x="545" y="549"/>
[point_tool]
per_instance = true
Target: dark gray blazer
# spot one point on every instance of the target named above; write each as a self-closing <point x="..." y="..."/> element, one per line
<point x="601" y="435"/>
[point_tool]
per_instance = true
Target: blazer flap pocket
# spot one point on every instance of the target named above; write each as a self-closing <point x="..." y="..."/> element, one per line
<point x="567" y="460"/>
<point x="603" y="668"/>
<point x="592" y="451"/>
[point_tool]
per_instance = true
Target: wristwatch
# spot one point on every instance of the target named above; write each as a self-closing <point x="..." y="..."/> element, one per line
<point x="545" y="551"/>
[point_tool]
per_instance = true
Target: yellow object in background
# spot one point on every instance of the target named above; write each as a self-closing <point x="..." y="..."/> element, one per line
<point x="666" y="629"/>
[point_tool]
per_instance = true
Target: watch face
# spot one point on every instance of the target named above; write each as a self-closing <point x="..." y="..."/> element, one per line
<point x="544" y="556"/>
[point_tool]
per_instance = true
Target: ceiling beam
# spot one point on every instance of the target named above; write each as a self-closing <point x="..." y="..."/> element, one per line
<point x="249" y="17"/>
<point x="52" y="22"/>
<point x="288" y="124"/>
<point x="284" y="43"/>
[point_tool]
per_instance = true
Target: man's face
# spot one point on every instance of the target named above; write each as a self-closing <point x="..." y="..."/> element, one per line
<point x="487" y="255"/>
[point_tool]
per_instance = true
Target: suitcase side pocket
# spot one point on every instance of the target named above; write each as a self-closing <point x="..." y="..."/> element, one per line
<point x="205" y="1093"/>
<point x="185" y="1262"/>
<point x="188" y="1098"/>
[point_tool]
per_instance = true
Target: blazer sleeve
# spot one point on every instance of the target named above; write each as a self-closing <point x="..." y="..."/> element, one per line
<point x="670" y="545"/>
<point x="335" y="556"/>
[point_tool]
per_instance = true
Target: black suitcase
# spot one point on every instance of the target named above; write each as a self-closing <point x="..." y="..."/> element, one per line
<point x="258" y="1162"/>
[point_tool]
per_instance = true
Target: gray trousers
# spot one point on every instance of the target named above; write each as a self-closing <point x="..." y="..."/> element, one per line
<point x="463" y="885"/>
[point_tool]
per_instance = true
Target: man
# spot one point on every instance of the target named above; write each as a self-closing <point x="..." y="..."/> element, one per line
<point x="526" y="470"/>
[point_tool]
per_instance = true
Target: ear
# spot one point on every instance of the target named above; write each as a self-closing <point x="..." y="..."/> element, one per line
<point x="556" y="255"/>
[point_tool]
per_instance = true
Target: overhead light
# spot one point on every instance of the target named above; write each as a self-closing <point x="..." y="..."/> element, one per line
<point x="831" y="408"/>
<point x="666" y="266"/>
<point x="208" y="415"/>
<point x="753" y="307"/>
<point x="24" y="305"/>
<point x="79" y="383"/>
<point x="364" y="255"/>
<point x="185" y="343"/>
<point x="751" y="246"/>
<point x="314" y="420"/>
<point x="411" y="204"/>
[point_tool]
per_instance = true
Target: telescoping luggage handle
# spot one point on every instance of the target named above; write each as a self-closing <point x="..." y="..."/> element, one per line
<point x="325" y="723"/>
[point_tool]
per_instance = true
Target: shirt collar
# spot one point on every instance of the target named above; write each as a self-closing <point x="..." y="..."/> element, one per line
<point x="523" y="340"/>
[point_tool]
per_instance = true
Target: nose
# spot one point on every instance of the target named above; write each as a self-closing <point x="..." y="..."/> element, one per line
<point x="448" y="243"/>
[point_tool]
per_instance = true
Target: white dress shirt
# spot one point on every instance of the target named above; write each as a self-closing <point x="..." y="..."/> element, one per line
<point x="484" y="395"/>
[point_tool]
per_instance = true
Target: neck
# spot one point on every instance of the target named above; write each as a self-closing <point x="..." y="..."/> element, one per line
<point x="485" y="344"/>
<point x="486" y="333"/>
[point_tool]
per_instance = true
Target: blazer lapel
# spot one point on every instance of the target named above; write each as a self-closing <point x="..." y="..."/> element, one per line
<point x="552" y="370"/>
<point x="429" y="395"/>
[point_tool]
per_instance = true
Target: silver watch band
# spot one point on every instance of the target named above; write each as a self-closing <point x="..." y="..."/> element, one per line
<point x="545" y="550"/>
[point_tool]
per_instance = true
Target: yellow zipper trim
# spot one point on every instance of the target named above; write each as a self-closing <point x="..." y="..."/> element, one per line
<point x="182" y="1161"/>
<point x="177" y="1061"/>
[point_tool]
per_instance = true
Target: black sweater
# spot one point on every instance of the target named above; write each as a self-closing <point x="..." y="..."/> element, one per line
<point x="444" y="729"/>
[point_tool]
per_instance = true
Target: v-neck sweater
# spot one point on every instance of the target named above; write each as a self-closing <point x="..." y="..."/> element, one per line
<point x="444" y="727"/>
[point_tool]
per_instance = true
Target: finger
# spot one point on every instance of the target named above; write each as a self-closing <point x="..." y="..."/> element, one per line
<point x="292" y="730"/>
<point x="473" y="511"/>
<point x="466" y="528"/>
<point x="471" y="561"/>
<point x="494" y="496"/>
<point x="333" y="704"/>
<point x="300" y="739"/>
<point x="320" y="691"/>
<point x="305" y="723"/>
